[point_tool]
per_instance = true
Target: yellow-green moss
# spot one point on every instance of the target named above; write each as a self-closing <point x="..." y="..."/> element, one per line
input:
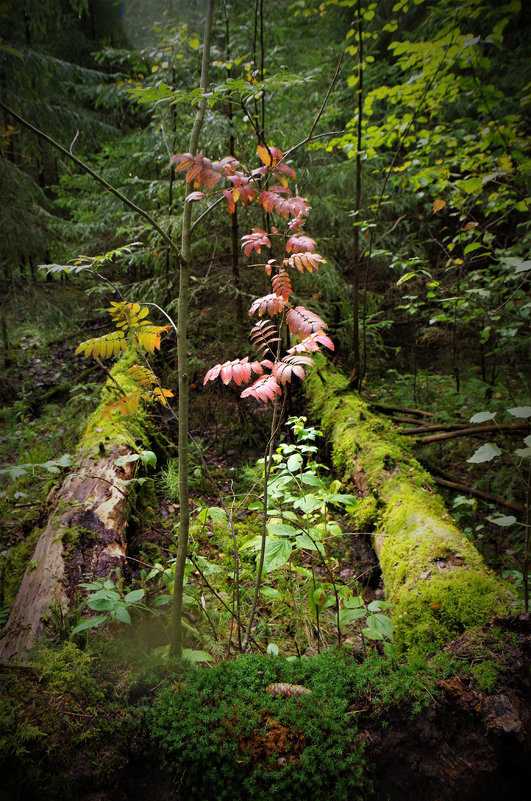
<point x="116" y="430"/>
<point x="433" y="576"/>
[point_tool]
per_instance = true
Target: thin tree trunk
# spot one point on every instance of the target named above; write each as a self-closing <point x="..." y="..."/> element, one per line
<point x="184" y="281"/>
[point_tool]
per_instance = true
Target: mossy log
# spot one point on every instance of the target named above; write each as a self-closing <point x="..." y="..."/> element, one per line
<point x="84" y="536"/>
<point x="435" y="579"/>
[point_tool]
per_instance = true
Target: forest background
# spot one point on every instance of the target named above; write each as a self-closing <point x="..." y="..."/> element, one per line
<point x="406" y="125"/>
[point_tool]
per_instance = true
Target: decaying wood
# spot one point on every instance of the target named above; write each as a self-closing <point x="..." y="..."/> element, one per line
<point x="435" y="579"/>
<point x="84" y="537"/>
<point x="470" y="432"/>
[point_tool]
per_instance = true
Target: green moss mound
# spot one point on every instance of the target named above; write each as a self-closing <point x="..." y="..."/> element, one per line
<point x="226" y="737"/>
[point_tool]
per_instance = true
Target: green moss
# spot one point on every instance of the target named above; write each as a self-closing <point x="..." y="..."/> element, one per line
<point x="366" y="513"/>
<point x="485" y="675"/>
<point x="132" y="430"/>
<point x="433" y="575"/>
<point x="14" y="562"/>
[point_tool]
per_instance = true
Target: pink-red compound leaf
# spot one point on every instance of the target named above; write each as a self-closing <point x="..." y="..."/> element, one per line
<point x="282" y="285"/>
<point x="300" y="244"/>
<point x="271" y="304"/>
<point x="239" y="371"/>
<point x="264" y="335"/>
<point x="310" y="344"/>
<point x="263" y="389"/>
<point x="255" y="241"/>
<point x="194" y="196"/>
<point x="305" y="261"/>
<point x="303" y="322"/>
<point x="289" y="366"/>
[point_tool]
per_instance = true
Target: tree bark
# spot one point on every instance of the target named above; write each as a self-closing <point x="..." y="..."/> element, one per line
<point x="435" y="579"/>
<point x="84" y="538"/>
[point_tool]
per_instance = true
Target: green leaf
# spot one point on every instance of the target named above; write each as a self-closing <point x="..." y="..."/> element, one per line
<point x="294" y="463"/>
<point x="372" y="634"/>
<point x="485" y="453"/>
<point x="134" y="596"/>
<point x="354" y="603"/>
<point x="520" y="411"/>
<point x="196" y="656"/>
<point x="126" y="459"/>
<point x="523" y="453"/>
<point x="272" y="649"/>
<point x="282" y="529"/>
<point x="305" y="542"/>
<point x="346" y="615"/>
<point x="375" y="606"/>
<point x="527" y="441"/>
<point x="482" y="417"/>
<point x="89" y="623"/>
<point x="308" y="503"/>
<point x="277" y="553"/>
<point x="271" y="592"/>
<point x="121" y="614"/>
<point x="470" y="185"/>
<point x="471" y="247"/>
<point x="509" y="520"/>
<point x="381" y="623"/>
<point x="346" y="500"/>
<point x="217" y="514"/>
<point x="312" y="480"/>
<point x="406" y="277"/>
<point x="148" y="458"/>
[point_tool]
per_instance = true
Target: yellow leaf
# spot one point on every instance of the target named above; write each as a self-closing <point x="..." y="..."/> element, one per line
<point x="265" y="156"/>
<point x="438" y="204"/>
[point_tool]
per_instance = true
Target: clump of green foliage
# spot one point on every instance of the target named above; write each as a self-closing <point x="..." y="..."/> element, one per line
<point x="227" y="737"/>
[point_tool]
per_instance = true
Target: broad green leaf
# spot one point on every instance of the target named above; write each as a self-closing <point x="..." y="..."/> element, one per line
<point x="354" y="603"/>
<point x="162" y="600"/>
<point x="520" y="411"/>
<point x="277" y="553"/>
<point x="148" y="458"/>
<point x="523" y="453"/>
<point x="482" y="417"/>
<point x="294" y="463"/>
<point x="346" y="615"/>
<point x="272" y="649"/>
<point x="308" y="503"/>
<point x="282" y="529"/>
<point x="305" y="542"/>
<point x="527" y="441"/>
<point x="382" y="624"/>
<point x="470" y="185"/>
<point x="89" y="623"/>
<point x="347" y="500"/>
<point x="101" y="604"/>
<point x="271" y="592"/>
<point x="375" y="606"/>
<point x="485" y="453"/>
<point x="217" y="514"/>
<point x="372" y="634"/>
<point x="509" y="520"/>
<point x="126" y="459"/>
<point x="190" y="655"/>
<point x="134" y="596"/>
<point x="471" y="247"/>
<point x="312" y="480"/>
<point x="122" y="615"/>
<point x="406" y="277"/>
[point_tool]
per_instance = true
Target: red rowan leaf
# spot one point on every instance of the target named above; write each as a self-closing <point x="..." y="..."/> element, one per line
<point x="239" y="370"/>
<point x="302" y="261"/>
<point x="269" y="155"/>
<point x="292" y="365"/>
<point x="282" y="285"/>
<point x="255" y="241"/>
<point x="286" y="169"/>
<point x="270" y="303"/>
<point x="303" y="322"/>
<point x="263" y="389"/>
<point x="310" y="344"/>
<point x="300" y="244"/>
<point x="194" y="196"/>
<point x="263" y="336"/>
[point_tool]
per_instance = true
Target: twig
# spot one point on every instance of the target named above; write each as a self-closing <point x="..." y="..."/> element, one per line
<point x="470" y="432"/>
<point x="454" y="485"/>
<point x="390" y="409"/>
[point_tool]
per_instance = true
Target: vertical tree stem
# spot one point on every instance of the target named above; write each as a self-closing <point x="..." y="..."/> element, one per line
<point x="182" y="320"/>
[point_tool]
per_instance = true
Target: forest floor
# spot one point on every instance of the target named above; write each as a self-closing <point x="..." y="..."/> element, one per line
<point x="453" y="725"/>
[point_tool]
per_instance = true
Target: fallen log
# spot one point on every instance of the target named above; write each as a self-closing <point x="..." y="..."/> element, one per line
<point x="84" y="536"/>
<point x="435" y="579"/>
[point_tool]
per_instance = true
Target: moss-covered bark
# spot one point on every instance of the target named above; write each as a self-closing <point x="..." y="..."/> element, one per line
<point x="84" y="535"/>
<point x="433" y="576"/>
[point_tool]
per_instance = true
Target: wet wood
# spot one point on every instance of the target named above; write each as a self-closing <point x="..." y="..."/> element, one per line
<point x="84" y="539"/>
